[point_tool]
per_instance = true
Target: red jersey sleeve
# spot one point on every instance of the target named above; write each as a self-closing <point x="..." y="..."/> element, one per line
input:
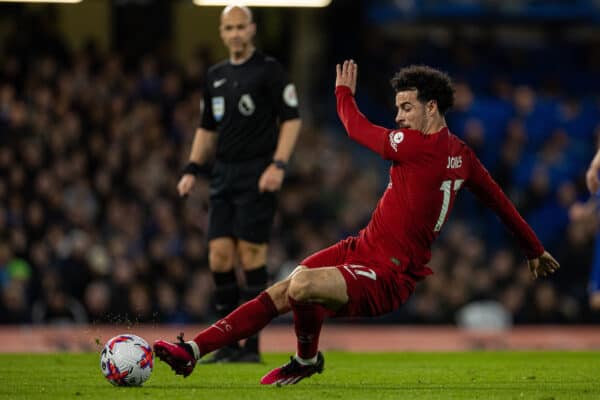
<point x="487" y="190"/>
<point x="359" y="128"/>
<point x="397" y="145"/>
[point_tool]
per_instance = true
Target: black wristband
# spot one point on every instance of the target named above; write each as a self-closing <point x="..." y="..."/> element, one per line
<point x="195" y="169"/>
<point x="280" y="164"/>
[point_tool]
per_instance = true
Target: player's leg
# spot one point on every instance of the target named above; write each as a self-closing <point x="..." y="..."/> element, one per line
<point x="243" y="322"/>
<point x="314" y="289"/>
<point x="253" y="257"/>
<point x="313" y="294"/>
<point x="325" y="286"/>
<point x="347" y="290"/>
<point x="221" y="255"/>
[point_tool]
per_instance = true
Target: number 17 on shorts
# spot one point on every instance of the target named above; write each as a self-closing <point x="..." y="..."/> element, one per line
<point x="361" y="270"/>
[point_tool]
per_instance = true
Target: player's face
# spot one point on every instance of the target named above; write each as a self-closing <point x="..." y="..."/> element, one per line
<point x="411" y="112"/>
<point x="237" y="31"/>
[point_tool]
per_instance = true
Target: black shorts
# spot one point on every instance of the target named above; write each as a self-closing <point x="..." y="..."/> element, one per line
<point x="237" y="208"/>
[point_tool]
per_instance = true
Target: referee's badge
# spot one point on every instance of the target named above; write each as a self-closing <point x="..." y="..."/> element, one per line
<point x="246" y="105"/>
<point x="289" y="95"/>
<point x="218" y="107"/>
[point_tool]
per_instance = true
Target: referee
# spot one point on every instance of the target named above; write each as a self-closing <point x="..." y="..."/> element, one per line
<point x="249" y="124"/>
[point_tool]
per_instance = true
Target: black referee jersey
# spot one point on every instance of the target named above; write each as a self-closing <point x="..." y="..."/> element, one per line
<point x="244" y="104"/>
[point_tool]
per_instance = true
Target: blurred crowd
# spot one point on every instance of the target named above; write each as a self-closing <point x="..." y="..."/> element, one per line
<point x="92" y="229"/>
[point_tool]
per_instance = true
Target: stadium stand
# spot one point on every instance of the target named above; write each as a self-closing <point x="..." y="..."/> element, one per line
<point x="91" y="149"/>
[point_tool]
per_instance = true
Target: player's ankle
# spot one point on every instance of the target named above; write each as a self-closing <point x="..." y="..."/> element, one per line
<point x="193" y="346"/>
<point x="306" y="361"/>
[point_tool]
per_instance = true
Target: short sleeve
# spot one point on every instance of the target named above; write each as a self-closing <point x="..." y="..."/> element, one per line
<point x="207" y="119"/>
<point x="282" y="92"/>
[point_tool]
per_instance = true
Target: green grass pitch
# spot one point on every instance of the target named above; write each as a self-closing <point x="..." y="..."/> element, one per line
<point x="469" y="375"/>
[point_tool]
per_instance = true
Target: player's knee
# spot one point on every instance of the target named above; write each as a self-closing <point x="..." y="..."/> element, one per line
<point x="300" y="288"/>
<point x="295" y="271"/>
<point x="279" y="295"/>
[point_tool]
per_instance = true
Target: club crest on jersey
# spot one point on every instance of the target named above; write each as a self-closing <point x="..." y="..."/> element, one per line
<point x="246" y="105"/>
<point x="289" y="95"/>
<point x="218" y="108"/>
<point x="396" y="137"/>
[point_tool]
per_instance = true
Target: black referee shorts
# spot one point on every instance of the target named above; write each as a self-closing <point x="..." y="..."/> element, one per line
<point x="237" y="208"/>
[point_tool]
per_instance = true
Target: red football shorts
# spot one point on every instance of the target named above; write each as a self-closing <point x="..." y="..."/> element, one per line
<point x="372" y="289"/>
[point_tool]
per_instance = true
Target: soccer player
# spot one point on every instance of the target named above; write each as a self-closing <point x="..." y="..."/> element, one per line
<point x="375" y="272"/>
<point x="250" y="124"/>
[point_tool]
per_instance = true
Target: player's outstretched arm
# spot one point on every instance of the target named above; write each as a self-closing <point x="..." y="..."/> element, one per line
<point x="543" y="265"/>
<point x="359" y="128"/>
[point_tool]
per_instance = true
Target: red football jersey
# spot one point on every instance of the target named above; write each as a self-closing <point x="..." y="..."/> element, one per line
<point x="427" y="173"/>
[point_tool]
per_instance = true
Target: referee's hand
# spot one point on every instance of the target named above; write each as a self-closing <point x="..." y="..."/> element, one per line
<point x="185" y="184"/>
<point x="271" y="179"/>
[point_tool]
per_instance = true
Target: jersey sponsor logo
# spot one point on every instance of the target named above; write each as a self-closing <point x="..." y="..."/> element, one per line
<point x="454" y="162"/>
<point x="218" y="107"/>
<point x="246" y="105"/>
<point x="396" y="137"/>
<point x="289" y="95"/>
<point x="219" y="82"/>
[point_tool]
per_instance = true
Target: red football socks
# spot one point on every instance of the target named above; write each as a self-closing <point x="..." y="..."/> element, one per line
<point x="308" y="320"/>
<point x="244" y="321"/>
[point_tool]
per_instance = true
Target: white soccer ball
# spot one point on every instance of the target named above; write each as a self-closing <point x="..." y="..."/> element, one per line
<point x="127" y="360"/>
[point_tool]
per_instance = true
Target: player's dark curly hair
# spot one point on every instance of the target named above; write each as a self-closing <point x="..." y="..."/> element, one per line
<point x="430" y="84"/>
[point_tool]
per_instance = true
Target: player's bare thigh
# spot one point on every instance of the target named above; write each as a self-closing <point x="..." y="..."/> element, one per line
<point x="279" y="292"/>
<point x="325" y="286"/>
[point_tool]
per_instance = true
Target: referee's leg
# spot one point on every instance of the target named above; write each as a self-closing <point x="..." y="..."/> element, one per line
<point x="221" y="256"/>
<point x="253" y="257"/>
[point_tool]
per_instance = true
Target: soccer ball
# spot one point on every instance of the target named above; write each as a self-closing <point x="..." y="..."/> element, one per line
<point x="126" y="360"/>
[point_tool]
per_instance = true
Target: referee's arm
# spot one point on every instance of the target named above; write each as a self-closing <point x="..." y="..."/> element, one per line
<point x="203" y="150"/>
<point x="204" y="146"/>
<point x="288" y="134"/>
<point x="272" y="177"/>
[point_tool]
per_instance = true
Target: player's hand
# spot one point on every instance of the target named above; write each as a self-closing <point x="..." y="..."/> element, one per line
<point x="185" y="184"/>
<point x="271" y="179"/>
<point x="543" y="265"/>
<point x="346" y="75"/>
<point x="591" y="179"/>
